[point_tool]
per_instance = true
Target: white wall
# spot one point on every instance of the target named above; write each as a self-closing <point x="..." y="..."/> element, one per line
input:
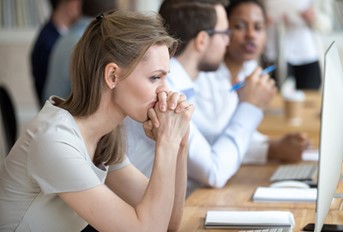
<point x="140" y="5"/>
<point x="148" y="5"/>
<point x="15" y="73"/>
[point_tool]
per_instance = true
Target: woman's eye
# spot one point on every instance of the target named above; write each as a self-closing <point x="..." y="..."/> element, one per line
<point x="259" y="27"/>
<point x="239" y="26"/>
<point x="153" y="78"/>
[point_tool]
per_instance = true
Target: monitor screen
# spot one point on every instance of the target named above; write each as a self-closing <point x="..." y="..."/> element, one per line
<point x="331" y="134"/>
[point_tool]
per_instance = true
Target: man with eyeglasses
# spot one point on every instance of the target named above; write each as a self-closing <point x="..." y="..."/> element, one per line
<point x="202" y="28"/>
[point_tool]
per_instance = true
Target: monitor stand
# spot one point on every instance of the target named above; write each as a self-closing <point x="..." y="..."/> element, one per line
<point x="326" y="228"/>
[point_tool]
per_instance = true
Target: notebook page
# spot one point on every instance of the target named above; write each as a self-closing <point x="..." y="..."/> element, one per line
<point x="249" y="219"/>
<point x="268" y="194"/>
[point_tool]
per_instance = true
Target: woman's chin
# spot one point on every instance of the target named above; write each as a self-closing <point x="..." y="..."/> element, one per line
<point x="141" y="119"/>
<point x="249" y="57"/>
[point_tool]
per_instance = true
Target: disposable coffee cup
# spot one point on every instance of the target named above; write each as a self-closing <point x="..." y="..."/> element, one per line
<point x="293" y="107"/>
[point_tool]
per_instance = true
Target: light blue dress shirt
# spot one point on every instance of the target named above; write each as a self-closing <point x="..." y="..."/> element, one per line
<point x="216" y="104"/>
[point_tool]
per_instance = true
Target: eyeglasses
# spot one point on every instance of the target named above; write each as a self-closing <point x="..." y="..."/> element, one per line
<point x="212" y="32"/>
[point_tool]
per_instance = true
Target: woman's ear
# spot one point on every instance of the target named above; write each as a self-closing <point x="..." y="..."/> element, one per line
<point x="111" y="75"/>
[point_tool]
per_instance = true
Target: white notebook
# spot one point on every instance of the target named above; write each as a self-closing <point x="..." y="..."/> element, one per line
<point x="268" y="194"/>
<point x="248" y="219"/>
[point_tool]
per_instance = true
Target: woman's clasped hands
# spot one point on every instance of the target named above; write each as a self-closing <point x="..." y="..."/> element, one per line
<point x="169" y="119"/>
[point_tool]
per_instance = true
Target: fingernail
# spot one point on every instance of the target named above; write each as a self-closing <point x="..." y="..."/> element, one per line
<point x="172" y="106"/>
<point x="163" y="107"/>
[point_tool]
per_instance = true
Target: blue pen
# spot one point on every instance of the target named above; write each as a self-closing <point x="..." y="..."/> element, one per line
<point x="240" y="84"/>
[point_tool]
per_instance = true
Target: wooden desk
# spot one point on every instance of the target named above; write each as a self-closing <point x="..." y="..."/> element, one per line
<point x="239" y="190"/>
<point x="274" y="123"/>
<point x="236" y="195"/>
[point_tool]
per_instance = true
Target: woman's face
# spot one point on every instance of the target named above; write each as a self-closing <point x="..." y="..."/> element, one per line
<point x="135" y="94"/>
<point x="248" y="25"/>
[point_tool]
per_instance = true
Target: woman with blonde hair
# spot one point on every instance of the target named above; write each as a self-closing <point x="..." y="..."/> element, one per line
<point x="69" y="168"/>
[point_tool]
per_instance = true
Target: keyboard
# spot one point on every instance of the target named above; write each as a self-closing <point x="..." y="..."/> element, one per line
<point x="285" y="229"/>
<point x="299" y="172"/>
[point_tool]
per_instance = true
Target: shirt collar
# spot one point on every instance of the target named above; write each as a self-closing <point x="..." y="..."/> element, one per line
<point x="179" y="80"/>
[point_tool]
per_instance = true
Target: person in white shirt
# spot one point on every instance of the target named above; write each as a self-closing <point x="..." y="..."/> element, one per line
<point x="215" y="104"/>
<point x="69" y="168"/>
<point x="203" y="31"/>
<point x="293" y="39"/>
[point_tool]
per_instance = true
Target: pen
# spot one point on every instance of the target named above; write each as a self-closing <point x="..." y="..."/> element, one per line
<point x="240" y="84"/>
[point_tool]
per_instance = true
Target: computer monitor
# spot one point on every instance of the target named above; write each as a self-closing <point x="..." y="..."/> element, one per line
<point x="331" y="137"/>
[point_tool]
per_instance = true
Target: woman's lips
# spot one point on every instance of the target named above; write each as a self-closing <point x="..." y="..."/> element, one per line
<point x="152" y="105"/>
<point x="250" y="47"/>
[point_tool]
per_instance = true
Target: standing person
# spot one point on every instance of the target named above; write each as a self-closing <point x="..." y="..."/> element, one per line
<point x="202" y="29"/>
<point x="216" y="104"/>
<point x="69" y="167"/>
<point x="298" y="44"/>
<point x="58" y="78"/>
<point x="64" y="13"/>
